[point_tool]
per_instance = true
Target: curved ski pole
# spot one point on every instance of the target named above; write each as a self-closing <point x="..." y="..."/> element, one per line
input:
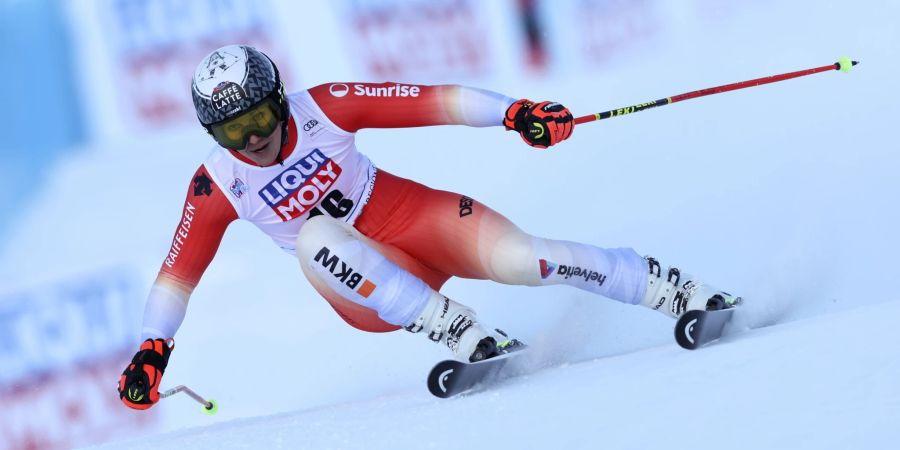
<point x="210" y="406"/>
<point x="844" y="65"/>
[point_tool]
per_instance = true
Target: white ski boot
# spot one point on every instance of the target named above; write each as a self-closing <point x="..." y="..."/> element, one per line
<point x="454" y="324"/>
<point x="675" y="292"/>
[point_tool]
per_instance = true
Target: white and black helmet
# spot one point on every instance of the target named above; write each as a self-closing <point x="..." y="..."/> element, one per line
<point x="231" y="80"/>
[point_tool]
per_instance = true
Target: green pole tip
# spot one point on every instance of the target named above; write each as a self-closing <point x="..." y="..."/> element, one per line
<point x="212" y="409"/>
<point x="846" y="64"/>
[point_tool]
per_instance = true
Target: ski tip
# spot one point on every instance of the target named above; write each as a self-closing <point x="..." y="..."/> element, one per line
<point x="687" y="329"/>
<point x="845" y="64"/>
<point x="442" y="379"/>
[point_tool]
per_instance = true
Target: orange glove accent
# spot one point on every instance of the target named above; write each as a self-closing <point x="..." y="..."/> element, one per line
<point x="139" y="384"/>
<point x="542" y="124"/>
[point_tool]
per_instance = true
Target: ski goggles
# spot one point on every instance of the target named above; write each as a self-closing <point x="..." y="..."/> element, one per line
<point x="260" y="120"/>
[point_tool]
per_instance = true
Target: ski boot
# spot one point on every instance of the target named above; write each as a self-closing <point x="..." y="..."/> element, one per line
<point x="447" y="321"/>
<point x="677" y="292"/>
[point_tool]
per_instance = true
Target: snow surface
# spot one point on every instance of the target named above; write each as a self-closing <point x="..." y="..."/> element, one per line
<point x="784" y="194"/>
<point x="815" y="383"/>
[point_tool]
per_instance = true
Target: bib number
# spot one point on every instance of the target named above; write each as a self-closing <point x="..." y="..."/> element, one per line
<point x="334" y="204"/>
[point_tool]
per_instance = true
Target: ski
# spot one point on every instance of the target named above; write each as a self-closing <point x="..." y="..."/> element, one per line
<point x="697" y="328"/>
<point x="451" y="377"/>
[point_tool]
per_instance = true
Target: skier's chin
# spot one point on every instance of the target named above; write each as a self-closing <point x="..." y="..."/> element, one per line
<point x="273" y="147"/>
<point x="265" y="155"/>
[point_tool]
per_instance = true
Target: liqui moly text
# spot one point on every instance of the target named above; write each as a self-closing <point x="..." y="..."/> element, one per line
<point x="301" y="186"/>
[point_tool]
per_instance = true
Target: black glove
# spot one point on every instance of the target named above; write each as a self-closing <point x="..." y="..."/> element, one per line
<point x="139" y="385"/>
<point x="540" y="124"/>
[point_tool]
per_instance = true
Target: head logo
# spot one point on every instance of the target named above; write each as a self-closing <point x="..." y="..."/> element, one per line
<point x="547" y="268"/>
<point x="662" y="301"/>
<point x="339" y="89"/>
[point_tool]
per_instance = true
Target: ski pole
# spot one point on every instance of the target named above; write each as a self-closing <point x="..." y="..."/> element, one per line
<point x="844" y="65"/>
<point x="210" y="406"/>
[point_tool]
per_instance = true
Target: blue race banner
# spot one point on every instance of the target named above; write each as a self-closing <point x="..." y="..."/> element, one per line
<point x="63" y="346"/>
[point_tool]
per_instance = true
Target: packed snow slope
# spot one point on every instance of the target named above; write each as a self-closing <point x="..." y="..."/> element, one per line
<point x="828" y="382"/>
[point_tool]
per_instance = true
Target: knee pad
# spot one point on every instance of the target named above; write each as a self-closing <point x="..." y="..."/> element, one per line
<point x="331" y="252"/>
<point x="319" y="230"/>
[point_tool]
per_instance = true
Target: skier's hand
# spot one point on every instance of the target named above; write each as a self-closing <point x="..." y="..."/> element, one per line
<point x="540" y="124"/>
<point x="139" y="385"/>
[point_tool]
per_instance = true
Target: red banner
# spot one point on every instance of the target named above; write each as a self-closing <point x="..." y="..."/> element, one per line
<point x="420" y="41"/>
<point x="157" y="44"/>
<point x="69" y="407"/>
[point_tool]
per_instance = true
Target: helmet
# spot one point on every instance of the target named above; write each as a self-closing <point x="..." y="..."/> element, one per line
<point x="233" y="79"/>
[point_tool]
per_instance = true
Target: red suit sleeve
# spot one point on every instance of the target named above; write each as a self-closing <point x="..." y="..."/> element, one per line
<point x="204" y="218"/>
<point x="353" y="106"/>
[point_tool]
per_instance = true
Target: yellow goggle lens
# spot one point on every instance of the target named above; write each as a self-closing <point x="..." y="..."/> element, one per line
<point x="234" y="133"/>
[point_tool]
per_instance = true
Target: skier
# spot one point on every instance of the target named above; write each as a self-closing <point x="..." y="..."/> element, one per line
<point x="376" y="246"/>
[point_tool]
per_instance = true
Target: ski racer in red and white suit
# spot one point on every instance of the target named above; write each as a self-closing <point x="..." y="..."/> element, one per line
<point x="429" y="233"/>
<point x="376" y="246"/>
